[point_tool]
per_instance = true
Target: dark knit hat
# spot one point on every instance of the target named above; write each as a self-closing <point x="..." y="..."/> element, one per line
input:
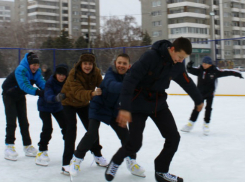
<point x="32" y="58"/>
<point x="61" y="69"/>
<point x="207" y="60"/>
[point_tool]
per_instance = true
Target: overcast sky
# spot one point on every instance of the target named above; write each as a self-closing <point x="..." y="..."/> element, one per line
<point x="119" y="8"/>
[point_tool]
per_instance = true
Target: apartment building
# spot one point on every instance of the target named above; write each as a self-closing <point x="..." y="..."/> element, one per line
<point x="78" y="17"/>
<point x="200" y="21"/>
<point x="6" y="11"/>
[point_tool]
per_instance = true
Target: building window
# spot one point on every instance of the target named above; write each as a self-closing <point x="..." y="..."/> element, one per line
<point x="156" y="23"/>
<point x="156" y="3"/>
<point x="226" y="14"/>
<point x="157" y="33"/>
<point x="75" y="12"/>
<point x="227" y="53"/>
<point x="65" y="11"/>
<point x="236" y="42"/>
<point x="156" y="13"/>
<point x="227" y="33"/>
<point x="227" y="24"/>
<point x="236" y="51"/>
<point x="75" y="19"/>
<point x="227" y="43"/>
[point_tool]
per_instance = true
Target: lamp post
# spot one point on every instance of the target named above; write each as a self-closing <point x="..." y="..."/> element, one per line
<point x="213" y="43"/>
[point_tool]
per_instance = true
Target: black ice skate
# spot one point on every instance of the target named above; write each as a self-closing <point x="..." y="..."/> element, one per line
<point x="167" y="177"/>
<point x="111" y="171"/>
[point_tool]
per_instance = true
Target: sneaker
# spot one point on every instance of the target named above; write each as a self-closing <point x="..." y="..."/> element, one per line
<point x="188" y="127"/>
<point x="134" y="168"/>
<point x="167" y="177"/>
<point x="65" y="170"/>
<point x="75" y="166"/>
<point x="111" y="171"/>
<point x="42" y="158"/>
<point x="206" y="128"/>
<point x="100" y="161"/>
<point x="30" y="151"/>
<point x="10" y="153"/>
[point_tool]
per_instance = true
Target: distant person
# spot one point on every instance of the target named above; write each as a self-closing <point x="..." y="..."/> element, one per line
<point x="80" y="88"/>
<point x="46" y="72"/>
<point x="15" y="87"/>
<point x="48" y="106"/>
<point x="104" y="108"/>
<point x="207" y="77"/>
<point x="143" y="95"/>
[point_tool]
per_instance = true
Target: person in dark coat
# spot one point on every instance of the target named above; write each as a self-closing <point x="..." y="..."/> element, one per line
<point x="207" y="77"/>
<point x="46" y="72"/>
<point x="50" y="105"/>
<point x="15" y="87"/>
<point x="143" y="94"/>
<point x="104" y="108"/>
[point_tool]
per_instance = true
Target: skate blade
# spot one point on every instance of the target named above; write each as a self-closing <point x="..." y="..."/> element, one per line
<point x="98" y="164"/>
<point x="71" y="178"/>
<point x="65" y="173"/>
<point x="11" y="159"/>
<point x="42" y="164"/>
<point x="30" y="155"/>
<point x="139" y="175"/>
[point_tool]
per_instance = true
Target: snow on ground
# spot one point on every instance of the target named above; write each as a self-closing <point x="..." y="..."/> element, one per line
<point x="218" y="157"/>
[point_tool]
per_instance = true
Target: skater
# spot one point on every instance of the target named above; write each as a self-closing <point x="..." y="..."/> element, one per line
<point x="46" y="72"/>
<point x="50" y="105"/>
<point x="207" y="74"/>
<point x="15" y="87"/>
<point x="143" y="94"/>
<point x="105" y="108"/>
<point x="80" y="88"/>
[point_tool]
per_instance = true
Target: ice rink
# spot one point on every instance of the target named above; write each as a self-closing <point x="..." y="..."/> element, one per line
<point x="219" y="157"/>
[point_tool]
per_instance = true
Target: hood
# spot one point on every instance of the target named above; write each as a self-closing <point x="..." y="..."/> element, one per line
<point x="24" y="62"/>
<point x="77" y="67"/>
<point x="161" y="47"/>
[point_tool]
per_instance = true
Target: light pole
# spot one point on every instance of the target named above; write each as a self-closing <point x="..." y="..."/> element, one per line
<point x="213" y="43"/>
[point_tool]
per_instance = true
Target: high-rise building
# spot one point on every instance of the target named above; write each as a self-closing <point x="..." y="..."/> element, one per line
<point x="6" y="11"/>
<point x="199" y="20"/>
<point x="77" y="17"/>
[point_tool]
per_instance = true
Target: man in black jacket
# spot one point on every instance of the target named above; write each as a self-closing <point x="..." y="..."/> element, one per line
<point x="207" y="75"/>
<point x="143" y="94"/>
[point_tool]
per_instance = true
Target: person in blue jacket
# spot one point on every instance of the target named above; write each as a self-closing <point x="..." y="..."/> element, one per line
<point x="105" y="108"/>
<point x="15" y="87"/>
<point x="50" y="105"/>
<point x="143" y="95"/>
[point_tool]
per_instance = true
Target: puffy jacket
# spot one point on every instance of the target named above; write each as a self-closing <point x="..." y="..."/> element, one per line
<point x="21" y="80"/>
<point x="144" y="87"/>
<point x="79" y="86"/>
<point x="105" y="107"/>
<point x="207" y="78"/>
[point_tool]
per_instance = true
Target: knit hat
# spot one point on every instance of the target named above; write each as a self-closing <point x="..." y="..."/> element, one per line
<point x="87" y="57"/>
<point x="32" y="58"/>
<point x="207" y="60"/>
<point x="61" y="69"/>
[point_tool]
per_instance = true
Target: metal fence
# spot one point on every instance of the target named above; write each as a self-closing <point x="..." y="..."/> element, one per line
<point x="11" y="57"/>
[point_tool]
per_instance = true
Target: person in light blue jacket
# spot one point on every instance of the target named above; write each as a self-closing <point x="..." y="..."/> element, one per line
<point x="19" y="83"/>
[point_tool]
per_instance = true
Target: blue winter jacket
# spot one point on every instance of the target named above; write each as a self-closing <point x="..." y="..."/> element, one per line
<point x="20" y="82"/>
<point x="48" y="102"/>
<point x="105" y="107"/>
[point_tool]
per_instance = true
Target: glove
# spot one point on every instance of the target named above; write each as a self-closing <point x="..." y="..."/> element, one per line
<point x="40" y="93"/>
<point x="189" y="65"/>
<point x="60" y="97"/>
<point x="239" y="75"/>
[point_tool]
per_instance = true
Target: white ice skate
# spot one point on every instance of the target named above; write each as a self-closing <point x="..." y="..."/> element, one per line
<point x="10" y="153"/>
<point x="188" y="127"/>
<point x="75" y="166"/>
<point x="101" y="161"/>
<point x="135" y="168"/>
<point x="30" y="151"/>
<point x="42" y="158"/>
<point x="65" y="170"/>
<point x="206" y="128"/>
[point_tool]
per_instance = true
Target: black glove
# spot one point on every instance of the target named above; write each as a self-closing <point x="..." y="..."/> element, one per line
<point x="239" y="75"/>
<point x="189" y="65"/>
<point x="40" y="93"/>
<point x="60" y="97"/>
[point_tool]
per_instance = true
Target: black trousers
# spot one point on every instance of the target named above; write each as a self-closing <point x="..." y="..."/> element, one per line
<point x="71" y="132"/>
<point x="208" y="110"/>
<point x="16" y="108"/>
<point x="47" y="128"/>
<point x="93" y="134"/>
<point x="167" y="127"/>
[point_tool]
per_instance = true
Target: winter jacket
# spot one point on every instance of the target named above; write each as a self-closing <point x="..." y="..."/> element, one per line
<point x="21" y="80"/>
<point x="48" y="102"/>
<point x="105" y="107"/>
<point x="144" y="87"/>
<point x="79" y="86"/>
<point x="207" y="79"/>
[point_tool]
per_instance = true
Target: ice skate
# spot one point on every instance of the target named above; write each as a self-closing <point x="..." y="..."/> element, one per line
<point x="206" y="128"/>
<point x="30" y="151"/>
<point x="167" y="177"/>
<point x="135" y="168"/>
<point x="100" y="161"/>
<point x="188" y="127"/>
<point x="65" y="170"/>
<point x="111" y="171"/>
<point x="75" y="166"/>
<point x="42" y="158"/>
<point x="10" y="153"/>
